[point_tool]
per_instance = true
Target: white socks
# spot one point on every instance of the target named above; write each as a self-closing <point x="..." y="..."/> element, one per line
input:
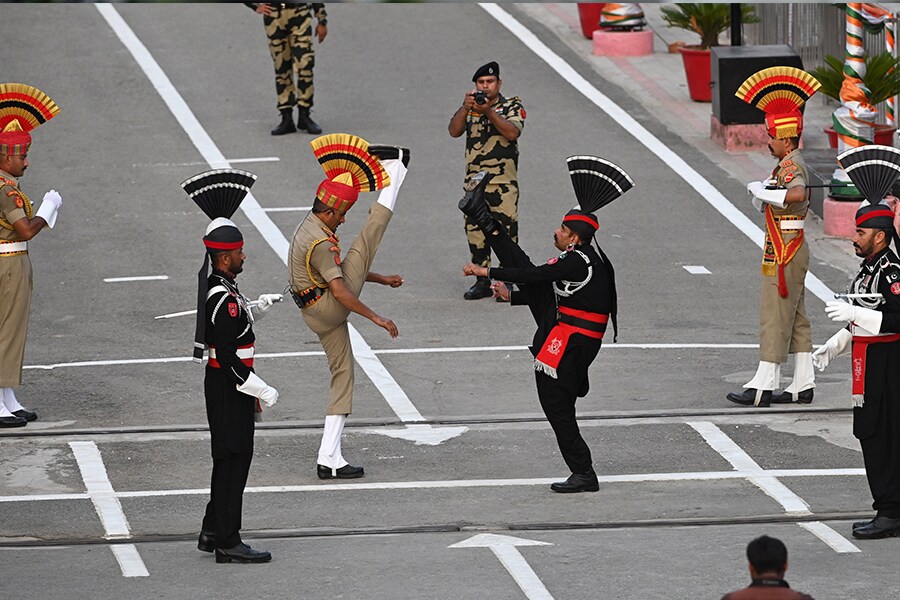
<point x="9" y="402"/>
<point x="397" y="172"/>
<point x="767" y="376"/>
<point x="804" y="375"/>
<point x="330" y="448"/>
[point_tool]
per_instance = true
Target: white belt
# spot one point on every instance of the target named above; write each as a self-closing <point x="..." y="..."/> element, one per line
<point x="9" y="247"/>
<point x="242" y="353"/>
<point x="792" y="224"/>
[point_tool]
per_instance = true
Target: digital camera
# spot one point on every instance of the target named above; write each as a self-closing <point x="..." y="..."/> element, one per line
<point x="480" y="97"/>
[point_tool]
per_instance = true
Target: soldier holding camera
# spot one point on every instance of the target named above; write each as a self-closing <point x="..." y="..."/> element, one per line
<point x="492" y="124"/>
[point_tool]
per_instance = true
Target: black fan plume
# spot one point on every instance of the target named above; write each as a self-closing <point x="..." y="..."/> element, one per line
<point x="219" y="192"/>
<point x="597" y="181"/>
<point x="872" y="169"/>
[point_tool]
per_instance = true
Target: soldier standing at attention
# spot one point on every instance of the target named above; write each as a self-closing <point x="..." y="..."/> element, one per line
<point x="492" y="124"/>
<point x="22" y="108"/>
<point x="784" y="200"/>
<point x="232" y="388"/>
<point x="290" y="32"/>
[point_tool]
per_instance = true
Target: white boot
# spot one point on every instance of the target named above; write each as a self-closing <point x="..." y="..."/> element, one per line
<point x="9" y="400"/>
<point x="4" y="412"/>
<point x="804" y="376"/>
<point x="767" y="376"/>
<point x="330" y="448"/>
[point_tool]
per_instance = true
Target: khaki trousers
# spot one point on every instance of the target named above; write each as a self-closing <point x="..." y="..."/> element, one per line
<point x="783" y="326"/>
<point x="15" y="305"/>
<point x="327" y="318"/>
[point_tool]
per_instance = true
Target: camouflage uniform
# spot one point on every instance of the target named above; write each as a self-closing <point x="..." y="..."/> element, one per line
<point x="487" y="150"/>
<point x="290" y="33"/>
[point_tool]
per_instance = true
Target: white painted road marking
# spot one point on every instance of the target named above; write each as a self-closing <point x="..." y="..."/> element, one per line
<point x="766" y="481"/>
<point x="836" y="541"/>
<point x="631" y="126"/>
<point x="504" y="548"/>
<point x="457" y="484"/>
<point x="176" y="359"/>
<point x="108" y="508"/>
<point x="136" y="278"/>
<point x="696" y="269"/>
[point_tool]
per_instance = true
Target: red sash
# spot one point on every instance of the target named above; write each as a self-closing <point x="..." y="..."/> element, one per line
<point x="858" y="361"/>
<point x="571" y="321"/>
<point x="214" y="363"/>
<point x="783" y="252"/>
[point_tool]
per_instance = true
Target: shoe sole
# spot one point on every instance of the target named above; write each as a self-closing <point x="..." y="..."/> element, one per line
<point x="888" y="534"/>
<point x="563" y="491"/>
<point x="245" y="561"/>
<point x="22" y="424"/>
<point x="330" y="476"/>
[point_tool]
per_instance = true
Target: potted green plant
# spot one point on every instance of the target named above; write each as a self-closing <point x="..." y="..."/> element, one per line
<point x="882" y="78"/>
<point x="708" y="21"/>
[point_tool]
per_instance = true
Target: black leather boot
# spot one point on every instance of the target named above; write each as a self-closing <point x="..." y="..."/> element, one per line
<point x="287" y="123"/>
<point x="305" y="123"/>
<point x="748" y="397"/>
<point x="577" y="482"/>
<point x="481" y="289"/>
<point x="473" y="204"/>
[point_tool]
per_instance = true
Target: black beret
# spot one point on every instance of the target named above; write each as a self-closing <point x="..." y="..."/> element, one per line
<point x="492" y="68"/>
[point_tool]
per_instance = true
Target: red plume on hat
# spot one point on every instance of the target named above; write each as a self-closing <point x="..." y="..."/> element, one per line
<point x="22" y="108"/>
<point x="780" y="92"/>
<point x="349" y="170"/>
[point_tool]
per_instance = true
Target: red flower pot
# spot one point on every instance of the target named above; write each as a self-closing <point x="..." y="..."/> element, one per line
<point x="698" y="72"/>
<point x="589" y="14"/>
<point x="884" y="135"/>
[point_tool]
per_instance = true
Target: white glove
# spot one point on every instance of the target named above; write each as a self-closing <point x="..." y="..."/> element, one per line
<point x="868" y="319"/>
<point x="396" y="170"/>
<point x="836" y="345"/>
<point x="758" y="190"/>
<point x="50" y="207"/>
<point x="256" y="387"/>
<point x="265" y="302"/>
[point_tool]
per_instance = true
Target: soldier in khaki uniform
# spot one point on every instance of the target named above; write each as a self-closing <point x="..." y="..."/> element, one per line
<point x="784" y="199"/>
<point x="327" y="288"/>
<point x="492" y="124"/>
<point x="22" y="108"/>
<point x="290" y="32"/>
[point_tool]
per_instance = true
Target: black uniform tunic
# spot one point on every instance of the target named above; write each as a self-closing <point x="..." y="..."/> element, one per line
<point x="877" y="423"/>
<point x="558" y="395"/>
<point x="230" y="412"/>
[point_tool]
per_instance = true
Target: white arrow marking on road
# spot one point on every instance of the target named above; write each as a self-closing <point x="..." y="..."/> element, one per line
<point x="504" y="548"/>
<point x="397" y="399"/>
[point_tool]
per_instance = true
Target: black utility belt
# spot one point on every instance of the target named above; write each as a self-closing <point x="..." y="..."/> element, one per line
<point x="307" y="297"/>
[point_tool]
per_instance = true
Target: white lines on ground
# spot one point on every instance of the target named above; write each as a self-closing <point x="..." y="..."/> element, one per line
<point x="836" y="541"/>
<point x="136" y="278"/>
<point x="289" y="209"/>
<point x="107" y="505"/>
<point x="631" y="126"/>
<point x="696" y="269"/>
<point x="197" y="163"/>
<point x="766" y="481"/>
<point x="177" y="359"/>
<point x="458" y="484"/>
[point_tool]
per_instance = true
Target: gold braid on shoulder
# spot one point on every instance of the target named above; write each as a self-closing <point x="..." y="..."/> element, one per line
<point x="26" y="203"/>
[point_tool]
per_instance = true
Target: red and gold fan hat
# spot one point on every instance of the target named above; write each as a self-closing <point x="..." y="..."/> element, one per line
<point x="349" y="170"/>
<point x="22" y="108"/>
<point x="780" y="92"/>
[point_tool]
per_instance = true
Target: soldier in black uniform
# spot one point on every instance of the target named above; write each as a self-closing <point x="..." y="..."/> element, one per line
<point x="571" y="298"/>
<point x="873" y="336"/>
<point x="233" y="390"/>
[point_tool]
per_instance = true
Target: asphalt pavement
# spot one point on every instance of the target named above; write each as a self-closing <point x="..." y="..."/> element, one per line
<point x="103" y="495"/>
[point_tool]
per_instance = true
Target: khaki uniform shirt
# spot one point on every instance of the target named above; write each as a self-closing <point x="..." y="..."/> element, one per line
<point x="14" y="205"/>
<point x="314" y="267"/>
